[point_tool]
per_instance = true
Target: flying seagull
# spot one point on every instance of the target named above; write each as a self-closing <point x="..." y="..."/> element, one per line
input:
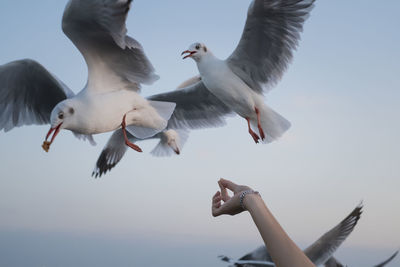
<point x="319" y="252"/>
<point x="117" y="66"/>
<point x="271" y="33"/>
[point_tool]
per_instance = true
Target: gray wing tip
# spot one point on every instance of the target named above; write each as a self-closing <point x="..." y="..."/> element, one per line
<point x="388" y="260"/>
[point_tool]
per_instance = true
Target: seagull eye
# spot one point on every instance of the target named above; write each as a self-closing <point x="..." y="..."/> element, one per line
<point x="71" y="110"/>
<point x="61" y="115"/>
<point x="197" y="47"/>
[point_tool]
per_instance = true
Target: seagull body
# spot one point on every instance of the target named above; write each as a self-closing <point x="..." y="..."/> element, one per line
<point x="228" y="87"/>
<point x="93" y="115"/>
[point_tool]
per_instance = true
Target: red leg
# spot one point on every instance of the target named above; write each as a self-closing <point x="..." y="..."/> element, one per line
<point x="127" y="142"/>
<point x="259" y="124"/>
<point x="252" y="133"/>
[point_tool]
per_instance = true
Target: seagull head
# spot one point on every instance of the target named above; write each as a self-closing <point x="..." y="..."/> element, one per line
<point x="195" y="51"/>
<point x="173" y="141"/>
<point x="60" y="118"/>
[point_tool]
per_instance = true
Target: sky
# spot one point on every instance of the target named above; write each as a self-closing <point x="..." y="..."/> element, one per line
<point x="341" y="94"/>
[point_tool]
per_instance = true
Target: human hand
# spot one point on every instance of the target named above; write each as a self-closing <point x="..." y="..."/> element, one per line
<point x="231" y="204"/>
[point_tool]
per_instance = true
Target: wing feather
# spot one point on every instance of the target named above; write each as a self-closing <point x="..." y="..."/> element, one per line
<point x="271" y="33"/>
<point x="98" y="30"/>
<point x="28" y="94"/>
<point x="196" y="107"/>
<point x="321" y="250"/>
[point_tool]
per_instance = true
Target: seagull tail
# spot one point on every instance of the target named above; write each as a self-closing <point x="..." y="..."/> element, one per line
<point x="162" y="150"/>
<point x="273" y="124"/>
<point x="164" y="109"/>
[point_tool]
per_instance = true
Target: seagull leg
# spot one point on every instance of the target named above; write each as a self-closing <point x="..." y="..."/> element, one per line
<point x="252" y="133"/>
<point x="260" y="129"/>
<point x="127" y="142"/>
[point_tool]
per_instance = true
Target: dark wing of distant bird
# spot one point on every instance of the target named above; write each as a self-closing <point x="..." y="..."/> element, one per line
<point x="271" y="33"/>
<point x="322" y="249"/>
<point x="260" y="254"/>
<point x="332" y="262"/>
<point x="28" y="94"/>
<point x="196" y="107"/>
<point x="387" y="261"/>
<point x="98" y="30"/>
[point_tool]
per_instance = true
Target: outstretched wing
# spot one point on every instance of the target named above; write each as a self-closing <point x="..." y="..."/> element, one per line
<point x="387" y="261"/>
<point x="97" y="28"/>
<point x="28" y="94"/>
<point x="322" y="249"/>
<point x="332" y="262"/>
<point x="196" y="107"/>
<point x="271" y="33"/>
<point x="112" y="153"/>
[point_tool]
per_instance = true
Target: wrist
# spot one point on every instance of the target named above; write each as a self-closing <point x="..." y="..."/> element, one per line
<point x="247" y="198"/>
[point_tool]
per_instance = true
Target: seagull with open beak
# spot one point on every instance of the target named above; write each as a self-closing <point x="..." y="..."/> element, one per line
<point x="271" y="33"/>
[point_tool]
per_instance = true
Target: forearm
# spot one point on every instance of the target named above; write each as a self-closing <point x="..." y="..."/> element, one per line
<point x="283" y="250"/>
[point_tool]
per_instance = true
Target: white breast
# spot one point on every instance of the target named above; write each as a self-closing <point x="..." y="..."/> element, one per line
<point x="227" y="86"/>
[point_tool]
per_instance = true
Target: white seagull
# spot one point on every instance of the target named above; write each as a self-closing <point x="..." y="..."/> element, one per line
<point x="271" y="33"/>
<point x="319" y="252"/>
<point x="117" y="66"/>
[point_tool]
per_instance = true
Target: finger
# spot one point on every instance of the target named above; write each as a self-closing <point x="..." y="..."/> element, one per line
<point x="215" y="209"/>
<point x="224" y="192"/>
<point x="217" y="199"/>
<point x="216" y="194"/>
<point x="228" y="184"/>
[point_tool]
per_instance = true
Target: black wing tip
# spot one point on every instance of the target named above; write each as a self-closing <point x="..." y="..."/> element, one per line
<point x="102" y="165"/>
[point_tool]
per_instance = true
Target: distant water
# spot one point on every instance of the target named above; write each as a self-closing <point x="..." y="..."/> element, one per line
<point x="21" y="249"/>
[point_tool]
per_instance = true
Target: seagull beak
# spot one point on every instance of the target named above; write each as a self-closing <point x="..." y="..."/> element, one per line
<point x="177" y="151"/>
<point x="189" y="53"/>
<point x="46" y="144"/>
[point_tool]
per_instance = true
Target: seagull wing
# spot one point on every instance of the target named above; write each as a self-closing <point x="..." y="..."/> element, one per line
<point x="28" y="94"/>
<point x="196" y="107"/>
<point x="322" y="249"/>
<point x="112" y="153"/>
<point x="387" y="261"/>
<point x="271" y="33"/>
<point x="332" y="262"/>
<point x="189" y="82"/>
<point x="98" y="30"/>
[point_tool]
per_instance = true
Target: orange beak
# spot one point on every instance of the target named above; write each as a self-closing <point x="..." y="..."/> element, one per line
<point x="189" y="53"/>
<point x="46" y="144"/>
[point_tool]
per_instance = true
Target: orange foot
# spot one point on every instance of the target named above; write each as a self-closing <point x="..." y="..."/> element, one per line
<point x="127" y="142"/>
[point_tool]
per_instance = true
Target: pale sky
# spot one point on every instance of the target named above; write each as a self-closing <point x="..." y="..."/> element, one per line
<point x="341" y="94"/>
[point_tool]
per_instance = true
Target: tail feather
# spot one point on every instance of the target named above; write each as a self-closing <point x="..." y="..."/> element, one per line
<point x="273" y="124"/>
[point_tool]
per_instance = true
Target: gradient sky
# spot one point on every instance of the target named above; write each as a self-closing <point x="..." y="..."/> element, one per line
<point x="341" y="94"/>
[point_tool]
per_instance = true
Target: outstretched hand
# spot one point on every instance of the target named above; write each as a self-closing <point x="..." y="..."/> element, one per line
<point x="222" y="203"/>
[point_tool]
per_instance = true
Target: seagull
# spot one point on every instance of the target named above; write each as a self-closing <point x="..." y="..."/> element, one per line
<point x="319" y="252"/>
<point x="271" y="33"/>
<point x="171" y="141"/>
<point x="117" y="66"/>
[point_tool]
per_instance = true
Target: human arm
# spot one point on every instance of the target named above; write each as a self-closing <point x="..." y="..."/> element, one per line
<point x="282" y="249"/>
